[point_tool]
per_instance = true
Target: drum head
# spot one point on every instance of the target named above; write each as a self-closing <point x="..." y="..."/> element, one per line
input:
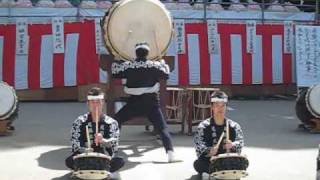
<point x="313" y="100"/>
<point x="7" y="100"/>
<point x="134" y="21"/>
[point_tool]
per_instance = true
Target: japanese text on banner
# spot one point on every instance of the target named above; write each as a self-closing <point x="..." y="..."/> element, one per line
<point x="22" y="38"/>
<point x="251" y="36"/>
<point x="288" y="36"/>
<point x="179" y="36"/>
<point x="307" y="55"/>
<point x="213" y="43"/>
<point x="58" y="35"/>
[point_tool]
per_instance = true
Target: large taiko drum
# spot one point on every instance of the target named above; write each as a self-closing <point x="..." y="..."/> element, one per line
<point x="228" y="166"/>
<point x="308" y="104"/>
<point x="91" y="166"/>
<point x="135" y="21"/>
<point x="8" y="106"/>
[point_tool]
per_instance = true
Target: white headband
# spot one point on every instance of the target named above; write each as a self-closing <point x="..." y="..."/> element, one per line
<point x="144" y="46"/>
<point x="225" y="100"/>
<point x="90" y="97"/>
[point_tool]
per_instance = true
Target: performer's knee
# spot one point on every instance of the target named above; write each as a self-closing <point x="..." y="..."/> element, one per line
<point x="201" y="166"/>
<point x="196" y="166"/>
<point x="69" y="162"/>
<point x="116" y="163"/>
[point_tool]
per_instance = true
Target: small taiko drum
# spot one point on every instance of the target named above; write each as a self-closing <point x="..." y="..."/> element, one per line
<point x="91" y="166"/>
<point x="308" y="104"/>
<point x="8" y="106"/>
<point x="228" y="166"/>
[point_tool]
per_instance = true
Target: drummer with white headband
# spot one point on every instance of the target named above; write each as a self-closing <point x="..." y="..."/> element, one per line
<point x="101" y="130"/>
<point x="212" y="136"/>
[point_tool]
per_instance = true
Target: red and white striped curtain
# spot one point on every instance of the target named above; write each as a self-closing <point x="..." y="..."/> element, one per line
<point x="78" y="65"/>
<point x="232" y="64"/>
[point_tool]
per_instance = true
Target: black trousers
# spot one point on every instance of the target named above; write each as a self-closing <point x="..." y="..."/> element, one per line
<point x="201" y="165"/>
<point x="146" y="105"/>
<point x="115" y="164"/>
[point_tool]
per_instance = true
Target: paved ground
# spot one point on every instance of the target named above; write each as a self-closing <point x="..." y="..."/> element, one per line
<point x="276" y="149"/>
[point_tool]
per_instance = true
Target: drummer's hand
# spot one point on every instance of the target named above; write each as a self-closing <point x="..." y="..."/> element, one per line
<point x="228" y="145"/>
<point x="98" y="138"/>
<point x="213" y="151"/>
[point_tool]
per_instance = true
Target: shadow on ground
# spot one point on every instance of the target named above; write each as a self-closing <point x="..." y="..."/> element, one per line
<point x="194" y="177"/>
<point x="56" y="159"/>
<point x="64" y="177"/>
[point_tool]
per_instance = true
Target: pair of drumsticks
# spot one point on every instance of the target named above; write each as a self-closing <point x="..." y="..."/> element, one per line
<point x="97" y="130"/>
<point x="222" y="135"/>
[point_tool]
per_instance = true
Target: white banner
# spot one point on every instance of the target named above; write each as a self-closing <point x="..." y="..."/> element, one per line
<point x="58" y="35"/>
<point x="288" y="36"/>
<point x="100" y="47"/>
<point x="251" y="36"/>
<point x="179" y="36"/>
<point x="213" y="43"/>
<point x="22" y="36"/>
<point x="308" y="55"/>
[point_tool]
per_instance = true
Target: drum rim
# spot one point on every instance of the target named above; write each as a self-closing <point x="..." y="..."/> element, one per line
<point x="302" y="111"/>
<point x="14" y="105"/>
<point x="227" y="155"/>
<point x="244" y="173"/>
<point x="100" y="155"/>
<point x="115" y="51"/>
<point x="311" y="110"/>
<point x="107" y="40"/>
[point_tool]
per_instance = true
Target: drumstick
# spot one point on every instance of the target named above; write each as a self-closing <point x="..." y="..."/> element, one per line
<point x="227" y="135"/>
<point x="97" y="123"/>
<point x="227" y="130"/>
<point x="88" y="137"/>
<point x="219" y="141"/>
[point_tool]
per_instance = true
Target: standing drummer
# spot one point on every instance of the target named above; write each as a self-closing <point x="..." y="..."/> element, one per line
<point x="143" y="84"/>
<point x="210" y="130"/>
<point x="105" y="141"/>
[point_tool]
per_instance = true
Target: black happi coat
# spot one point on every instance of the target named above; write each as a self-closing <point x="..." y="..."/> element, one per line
<point x="108" y="127"/>
<point x="208" y="134"/>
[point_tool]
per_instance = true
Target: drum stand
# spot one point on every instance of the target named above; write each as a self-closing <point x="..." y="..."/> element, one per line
<point x="176" y="106"/>
<point x="310" y="128"/>
<point x="4" y="127"/>
<point x="316" y="128"/>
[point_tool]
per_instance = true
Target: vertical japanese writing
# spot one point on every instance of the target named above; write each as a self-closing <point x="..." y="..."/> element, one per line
<point x="58" y="35"/>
